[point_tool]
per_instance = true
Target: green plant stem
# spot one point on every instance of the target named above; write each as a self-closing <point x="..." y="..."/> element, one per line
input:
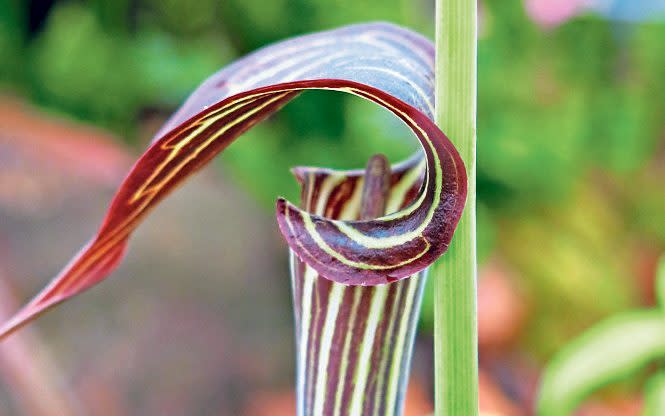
<point x="455" y="275"/>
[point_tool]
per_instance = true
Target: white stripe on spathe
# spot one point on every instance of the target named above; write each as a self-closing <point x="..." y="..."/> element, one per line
<point x="334" y="300"/>
<point x="363" y="361"/>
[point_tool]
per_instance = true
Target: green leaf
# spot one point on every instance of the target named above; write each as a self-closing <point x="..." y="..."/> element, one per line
<point x="608" y="352"/>
<point x="654" y="397"/>
<point x="660" y="282"/>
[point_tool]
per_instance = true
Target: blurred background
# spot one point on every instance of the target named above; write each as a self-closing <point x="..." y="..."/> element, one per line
<point x="571" y="172"/>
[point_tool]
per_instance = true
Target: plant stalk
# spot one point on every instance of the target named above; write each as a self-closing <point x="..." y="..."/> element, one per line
<point x="455" y="275"/>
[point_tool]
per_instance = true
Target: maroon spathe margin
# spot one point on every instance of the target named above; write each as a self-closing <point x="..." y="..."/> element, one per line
<point x="435" y="238"/>
<point x="192" y="143"/>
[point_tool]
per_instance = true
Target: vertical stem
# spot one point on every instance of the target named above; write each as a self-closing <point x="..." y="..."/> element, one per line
<point x="455" y="329"/>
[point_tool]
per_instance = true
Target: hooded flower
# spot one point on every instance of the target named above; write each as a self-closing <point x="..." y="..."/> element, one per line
<point x="355" y="307"/>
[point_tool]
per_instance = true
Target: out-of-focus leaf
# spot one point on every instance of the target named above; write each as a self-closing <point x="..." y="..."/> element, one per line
<point x="583" y="238"/>
<point x="383" y="63"/>
<point x="486" y="233"/>
<point x="185" y="16"/>
<point x="168" y="70"/>
<point x="12" y="32"/>
<point x="84" y="69"/>
<point x="654" y="403"/>
<point x="113" y="15"/>
<point x="660" y="282"/>
<point x="608" y="352"/>
<point x="71" y="65"/>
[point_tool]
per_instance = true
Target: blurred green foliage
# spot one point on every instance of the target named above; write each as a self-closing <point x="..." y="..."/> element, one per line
<point x="606" y="354"/>
<point x="558" y="109"/>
